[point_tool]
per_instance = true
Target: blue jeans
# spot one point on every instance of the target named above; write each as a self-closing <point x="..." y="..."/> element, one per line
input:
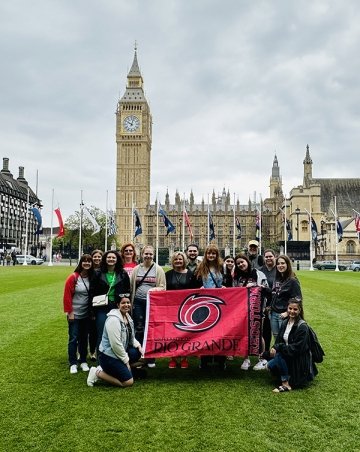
<point x="115" y="367"/>
<point x="100" y="319"/>
<point x="78" y="332"/>
<point x="139" y="317"/>
<point x="278" y="365"/>
<point x="275" y="322"/>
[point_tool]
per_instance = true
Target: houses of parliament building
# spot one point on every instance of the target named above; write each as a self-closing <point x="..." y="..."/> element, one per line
<point x="133" y="171"/>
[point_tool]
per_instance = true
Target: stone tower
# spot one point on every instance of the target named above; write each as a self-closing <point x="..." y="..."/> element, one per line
<point x="307" y="168"/>
<point x="275" y="180"/>
<point x="133" y="141"/>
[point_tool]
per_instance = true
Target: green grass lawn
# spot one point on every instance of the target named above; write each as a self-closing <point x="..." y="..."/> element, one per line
<point x="44" y="408"/>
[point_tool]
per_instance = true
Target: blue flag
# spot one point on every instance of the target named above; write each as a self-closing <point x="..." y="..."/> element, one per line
<point x="37" y="215"/>
<point x="238" y="227"/>
<point x="339" y="230"/>
<point x="288" y="230"/>
<point x="314" y="231"/>
<point x="211" y="228"/>
<point x="167" y="223"/>
<point x="138" y="228"/>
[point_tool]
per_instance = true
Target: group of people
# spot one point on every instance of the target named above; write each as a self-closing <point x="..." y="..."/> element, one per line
<point x="113" y="331"/>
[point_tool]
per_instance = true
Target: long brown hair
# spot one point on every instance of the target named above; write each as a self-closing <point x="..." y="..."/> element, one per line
<point x="288" y="273"/>
<point x="204" y="268"/>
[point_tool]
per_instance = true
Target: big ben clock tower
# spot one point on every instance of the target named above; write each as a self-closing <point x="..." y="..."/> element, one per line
<point x="133" y="141"/>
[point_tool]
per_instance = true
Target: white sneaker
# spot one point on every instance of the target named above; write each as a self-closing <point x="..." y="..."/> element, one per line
<point x="261" y="365"/>
<point x="84" y="367"/>
<point x="73" y="369"/>
<point x="246" y="364"/>
<point x="151" y="365"/>
<point x="92" y="377"/>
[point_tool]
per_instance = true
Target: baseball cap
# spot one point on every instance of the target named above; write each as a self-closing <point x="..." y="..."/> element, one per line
<point x="253" y="242"/>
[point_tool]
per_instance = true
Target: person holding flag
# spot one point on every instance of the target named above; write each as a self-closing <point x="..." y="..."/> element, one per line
<point x="145" y="277"/>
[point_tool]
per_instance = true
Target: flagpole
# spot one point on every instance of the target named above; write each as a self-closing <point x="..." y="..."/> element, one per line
<point x="183" y="226"/>
<point x="310" y="232"/>
<point x="208" y="222"/>
<point x="132" y="217"/>
<point x="157" y="228"/>
<point x="80" y="224"/>
<point x="106" y="219"/>
<point x="285" y="229"/>
<point x="234" y="245"/>
<point x="336" y="239"/>
<point x="27" y="225"/>
<point x="50" y="264"/>
<point x="260" y="224"/>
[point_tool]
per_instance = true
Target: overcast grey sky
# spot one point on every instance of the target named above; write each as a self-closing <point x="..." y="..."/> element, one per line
<point x="229" y="83"/>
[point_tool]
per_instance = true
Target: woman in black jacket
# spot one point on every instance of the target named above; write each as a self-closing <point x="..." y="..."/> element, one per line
<point x="110" y="279"/>
<point x="291" y="352"/>
<point x="285" y="286"/>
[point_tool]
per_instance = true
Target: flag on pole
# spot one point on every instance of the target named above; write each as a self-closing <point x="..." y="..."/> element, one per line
<point x="211" y="227"/>
<point x="138" y="228"/>
<point x="314" y="230"/>
<point x="339" y="230"/>
<point x="357" y="225"/>
<point x="61" y="224"/>
<point x="188" y="224"/>
<point x="257" y="227"/>
<point x="92" y="220"/>
<point x="238" y="227"/>
<point x="112" y="229"/>
<point x="288" y="230"/>
<point x="167" y="223"/>
<point x="37" y="215"/>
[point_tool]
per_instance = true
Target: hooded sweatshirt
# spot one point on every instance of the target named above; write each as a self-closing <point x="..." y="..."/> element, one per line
<point x="117" y="337"/>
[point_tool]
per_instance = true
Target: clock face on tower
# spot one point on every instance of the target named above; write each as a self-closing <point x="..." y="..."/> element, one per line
<point x="131" y="123"/>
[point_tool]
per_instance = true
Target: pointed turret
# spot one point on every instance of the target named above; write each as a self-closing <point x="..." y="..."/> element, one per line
<point x="134" y="87"/>
<point x="275" y="179"/>
<point x="307" y="168"/>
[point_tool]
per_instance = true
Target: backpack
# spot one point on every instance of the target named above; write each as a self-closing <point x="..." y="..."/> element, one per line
<point x="317" y="351"/>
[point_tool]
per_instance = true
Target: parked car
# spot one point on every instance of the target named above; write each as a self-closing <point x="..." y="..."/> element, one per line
<point x="30" y="260"/>
<point x="328" y="265"/>
<point x="355" y="266"/>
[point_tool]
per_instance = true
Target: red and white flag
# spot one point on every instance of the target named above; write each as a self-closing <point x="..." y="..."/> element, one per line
<point x="357" y="225"/>
<point x="188" y="224"/>
<point x="61" y="224"/>
<point x="198" y="322"/>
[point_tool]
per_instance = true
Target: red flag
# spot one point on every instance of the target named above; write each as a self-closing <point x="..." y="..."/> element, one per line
<point x="61" y="224"/>
<point x="203" y="322"/>
<point x="357" y="225"/>
<point x="188" y="224"/>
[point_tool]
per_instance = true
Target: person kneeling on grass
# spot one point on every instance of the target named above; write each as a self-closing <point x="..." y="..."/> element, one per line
<point x="291" y="354"/>
<point x="118" y="349"/>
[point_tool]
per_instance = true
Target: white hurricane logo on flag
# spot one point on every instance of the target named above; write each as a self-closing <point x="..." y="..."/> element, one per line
<point x="199" y="313"/>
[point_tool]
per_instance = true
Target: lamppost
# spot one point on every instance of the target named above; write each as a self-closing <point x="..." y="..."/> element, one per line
<point x="297" y="212"/>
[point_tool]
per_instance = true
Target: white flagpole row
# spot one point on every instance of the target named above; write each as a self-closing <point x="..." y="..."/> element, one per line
<point x="80" y="224"/>
<point x="106" y="220"/>
<point x="157" y="228"/>
<point x="285" y="229"/>
<point x="310" y="237"/>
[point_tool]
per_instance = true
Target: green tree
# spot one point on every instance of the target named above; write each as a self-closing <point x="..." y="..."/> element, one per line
<point x="69" y="244"/>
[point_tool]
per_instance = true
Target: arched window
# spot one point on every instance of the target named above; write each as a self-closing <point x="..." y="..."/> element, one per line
<point x="304" y="226"/>
<point x="350" y="247"/>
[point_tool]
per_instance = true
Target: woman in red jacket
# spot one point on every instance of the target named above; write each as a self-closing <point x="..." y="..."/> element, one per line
<point x="76" y="307"/>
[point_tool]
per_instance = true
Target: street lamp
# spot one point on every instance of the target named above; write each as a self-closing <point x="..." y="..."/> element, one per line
<point x="297" y="211"/>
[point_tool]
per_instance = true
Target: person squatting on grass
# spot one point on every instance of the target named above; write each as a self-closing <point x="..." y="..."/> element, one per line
<point x="291" y="356"/>
<point x="110" y="279"/>
<point x="285" y="286"/>
<point x="118" y="348"/>
<point x="76" y="306"/>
